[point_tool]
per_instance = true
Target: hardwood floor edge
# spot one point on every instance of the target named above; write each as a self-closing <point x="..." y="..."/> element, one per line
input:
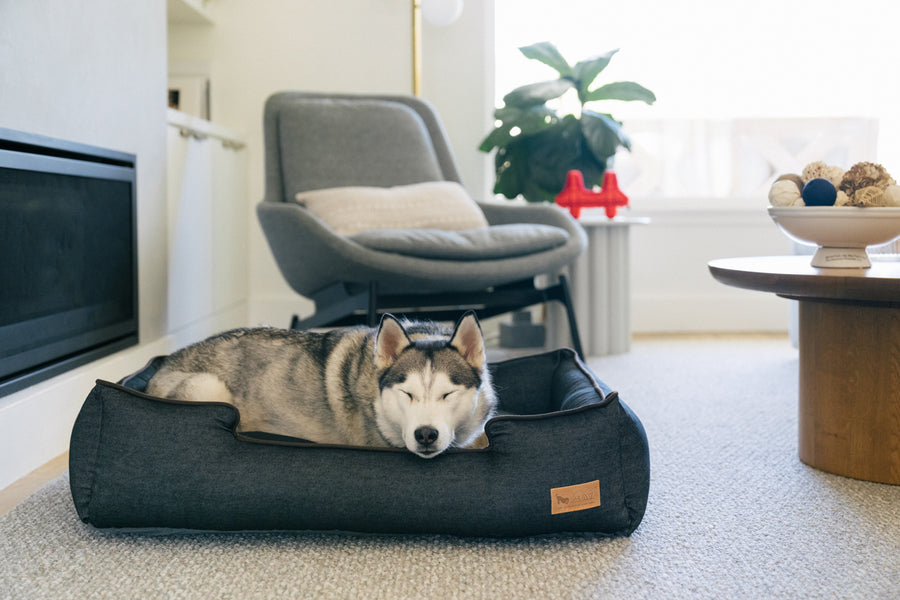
<point x="18" y="491"/>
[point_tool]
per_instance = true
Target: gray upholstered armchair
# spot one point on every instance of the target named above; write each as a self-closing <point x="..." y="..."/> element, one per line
<point x="316" y="143"/>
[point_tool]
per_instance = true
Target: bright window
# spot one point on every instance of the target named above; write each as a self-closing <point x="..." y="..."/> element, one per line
<point x="710" y="61"/>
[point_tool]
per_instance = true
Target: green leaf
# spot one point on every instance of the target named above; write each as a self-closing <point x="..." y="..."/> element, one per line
<point x="497" y="138"/>
<point x="511" y="114"/>
<point x="603" y="135"/>
<point x="547" y="53"/>
<point x="549" y="155"/>
<point x="621" y="90"/>
<point x="586" y="71"/>
<point x="533" y="165"/>
<point x="509" y="174"/>
<point x="537" y="93"/>
<point x="527" y="121"/>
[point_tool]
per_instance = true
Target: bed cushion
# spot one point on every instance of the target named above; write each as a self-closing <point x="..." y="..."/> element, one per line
<point x="569" y="456"/>
<point x="441" y="205"/>
<point x="490" y="243"/>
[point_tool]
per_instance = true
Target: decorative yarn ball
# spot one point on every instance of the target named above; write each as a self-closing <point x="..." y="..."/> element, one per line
<point x="819" y="192"/>
<point x="842" y="199"/>
<point x="785" y="192"/>
<point x="792" y="177"/>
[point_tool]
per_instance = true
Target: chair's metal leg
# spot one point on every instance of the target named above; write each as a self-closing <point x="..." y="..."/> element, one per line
<point x="570" y="313"/>
<point x="372" y="309"/>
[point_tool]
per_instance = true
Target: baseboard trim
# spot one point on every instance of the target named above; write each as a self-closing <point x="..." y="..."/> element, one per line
<point x="673" y="313"/>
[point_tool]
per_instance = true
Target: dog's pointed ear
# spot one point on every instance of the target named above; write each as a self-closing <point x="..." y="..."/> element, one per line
<point x="390" y="341"/>
<point x="469" y="341"/>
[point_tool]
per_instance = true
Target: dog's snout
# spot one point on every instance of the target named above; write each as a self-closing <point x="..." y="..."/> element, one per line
<point x="426" y="435"/>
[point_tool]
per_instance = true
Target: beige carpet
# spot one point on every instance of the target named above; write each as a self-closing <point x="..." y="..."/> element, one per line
<point x="732" y="514"/>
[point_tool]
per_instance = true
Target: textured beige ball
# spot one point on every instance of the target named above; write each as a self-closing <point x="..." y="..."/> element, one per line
<point x="820" y="170"/>
<point x="892" y="195"/>
<point x="785" y="193"/>
<point x="869" y="196"/>
<point x="792" y="177"/>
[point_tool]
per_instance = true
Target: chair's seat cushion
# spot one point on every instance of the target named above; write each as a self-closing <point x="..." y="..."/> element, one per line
<point x="487" y="243"/>
<point x="441" y="205"/>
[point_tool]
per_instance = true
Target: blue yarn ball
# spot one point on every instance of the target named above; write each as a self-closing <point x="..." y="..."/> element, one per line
<point x="819" y="192"/>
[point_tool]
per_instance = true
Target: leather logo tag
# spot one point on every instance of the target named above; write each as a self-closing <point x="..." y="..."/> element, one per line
<point x="575" y="497"/>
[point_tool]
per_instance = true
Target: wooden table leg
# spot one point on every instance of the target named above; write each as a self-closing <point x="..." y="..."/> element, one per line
<point x="850" y="390"/>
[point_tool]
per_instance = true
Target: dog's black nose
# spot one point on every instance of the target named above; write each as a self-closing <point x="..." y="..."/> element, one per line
<point x="426" y="435"/>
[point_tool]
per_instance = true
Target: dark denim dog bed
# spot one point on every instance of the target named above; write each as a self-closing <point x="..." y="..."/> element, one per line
<point x="571" y="457"/>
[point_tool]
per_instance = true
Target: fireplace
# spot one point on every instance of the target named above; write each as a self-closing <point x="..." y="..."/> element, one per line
<point x="68" y="256"/>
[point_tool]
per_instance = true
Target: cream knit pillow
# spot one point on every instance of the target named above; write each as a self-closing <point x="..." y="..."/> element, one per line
<point x="430" y="205"/>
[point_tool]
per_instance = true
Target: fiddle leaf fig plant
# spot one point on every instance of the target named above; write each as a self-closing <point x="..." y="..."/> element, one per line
<point x="537" y="145"/>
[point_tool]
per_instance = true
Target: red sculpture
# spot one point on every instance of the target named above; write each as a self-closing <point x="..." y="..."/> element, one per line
<point x="575" y="196"/>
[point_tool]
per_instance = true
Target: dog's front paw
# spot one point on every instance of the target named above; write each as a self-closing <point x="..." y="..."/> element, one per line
<point x="480" y="442"/>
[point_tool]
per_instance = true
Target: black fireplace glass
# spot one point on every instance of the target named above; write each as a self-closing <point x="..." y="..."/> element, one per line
<point x="68" y="265"/>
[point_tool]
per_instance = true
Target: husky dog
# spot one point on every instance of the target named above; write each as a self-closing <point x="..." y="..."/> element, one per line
<point x="405" y="384"/>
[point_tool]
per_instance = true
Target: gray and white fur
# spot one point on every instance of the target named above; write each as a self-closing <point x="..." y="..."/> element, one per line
<point x="418" y="385"/>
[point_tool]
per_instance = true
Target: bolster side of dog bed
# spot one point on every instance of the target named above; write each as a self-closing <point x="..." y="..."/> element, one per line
<point x="142" y="462"/>
<point x="551" y="389"/>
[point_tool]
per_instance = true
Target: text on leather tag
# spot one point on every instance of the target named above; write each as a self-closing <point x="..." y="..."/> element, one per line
<point x="575" y="497"/>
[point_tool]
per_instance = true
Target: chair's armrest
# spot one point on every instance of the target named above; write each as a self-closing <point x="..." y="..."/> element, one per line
<point x="503" y="214"/>
<point x="298" y="238"/>
<point x="544" y="214"/>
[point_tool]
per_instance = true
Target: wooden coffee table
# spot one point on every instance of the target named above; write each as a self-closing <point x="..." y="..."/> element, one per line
<point x="849" y="332"/>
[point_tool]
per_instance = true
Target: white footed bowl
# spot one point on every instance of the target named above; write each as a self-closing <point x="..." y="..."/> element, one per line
<point x="841" y="232"/>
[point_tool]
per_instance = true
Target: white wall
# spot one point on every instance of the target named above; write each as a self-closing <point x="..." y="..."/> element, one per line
<point x="671" y="288"/>
<point x="95" y="73"/>
<point x="458" y="79"/>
